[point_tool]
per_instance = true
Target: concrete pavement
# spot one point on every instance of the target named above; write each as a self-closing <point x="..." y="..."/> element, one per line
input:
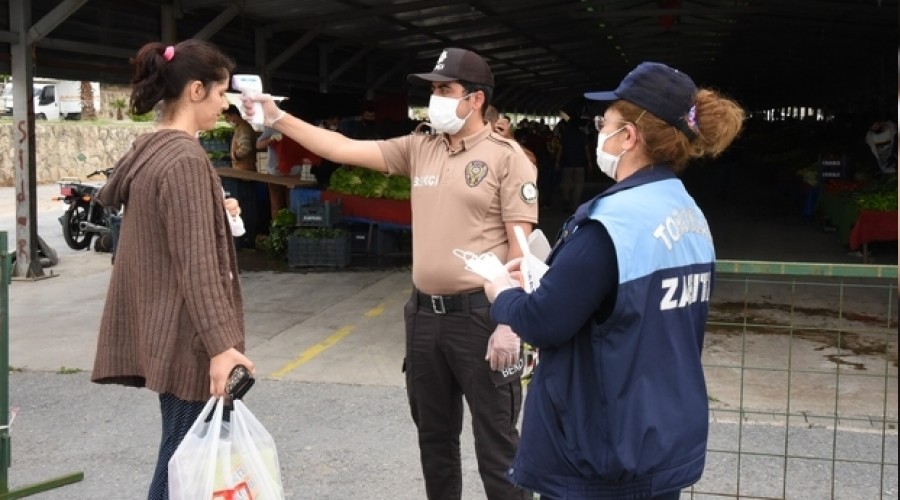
<point x="328" y="346"/>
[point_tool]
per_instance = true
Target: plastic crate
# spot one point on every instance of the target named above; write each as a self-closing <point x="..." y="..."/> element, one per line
<point x="319" y="252"/>
<point x="302" y="197"/>
<point x="215" y="145"/>
<point x="377" y="239"/>
<point x="320" y="215"/>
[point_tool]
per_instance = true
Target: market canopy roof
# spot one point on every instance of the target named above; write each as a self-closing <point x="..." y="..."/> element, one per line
<point x="834" y="54"/>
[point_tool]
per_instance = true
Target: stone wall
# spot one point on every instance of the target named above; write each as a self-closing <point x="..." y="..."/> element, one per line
<point x="70" y="148"/>
<point x="110" y="93"/>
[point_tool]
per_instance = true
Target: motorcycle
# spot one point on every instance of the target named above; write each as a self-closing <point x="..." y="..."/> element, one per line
<point x="85" y="218"/>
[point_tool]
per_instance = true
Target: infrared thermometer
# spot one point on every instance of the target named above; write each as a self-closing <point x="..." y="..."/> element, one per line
<point x="249" y="85"/>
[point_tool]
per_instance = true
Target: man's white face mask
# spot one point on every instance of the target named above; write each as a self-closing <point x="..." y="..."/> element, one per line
<point x="442" y="114"/>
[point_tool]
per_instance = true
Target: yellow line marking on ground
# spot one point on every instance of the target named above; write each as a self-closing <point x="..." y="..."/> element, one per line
<point x="322" y="346"/>
<point x="314" y="351"/>
<point x="376" y="311"/>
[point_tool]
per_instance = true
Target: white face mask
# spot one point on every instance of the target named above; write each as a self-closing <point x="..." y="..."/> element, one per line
<point x="442" y="114"/>
<point x="608" y="163"/>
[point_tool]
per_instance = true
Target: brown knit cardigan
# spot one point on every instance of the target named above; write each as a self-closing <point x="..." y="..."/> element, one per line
<point x="174" y="299"/>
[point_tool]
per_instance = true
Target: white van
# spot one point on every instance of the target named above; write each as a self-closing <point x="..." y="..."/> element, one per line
<point x="62" y="99"/>
<point x="54" y="99"/>
<point x="6" y="100"/>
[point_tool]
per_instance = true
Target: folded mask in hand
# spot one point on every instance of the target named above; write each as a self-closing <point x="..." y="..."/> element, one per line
<point x="486" y="265"/>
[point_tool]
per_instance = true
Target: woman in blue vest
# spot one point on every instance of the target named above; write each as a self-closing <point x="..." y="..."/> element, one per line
<point x="617" y="408"/>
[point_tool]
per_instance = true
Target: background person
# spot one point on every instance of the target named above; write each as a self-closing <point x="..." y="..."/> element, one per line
<point x="243" y="157"/>
<point x="881" y="139"/>
<point x="279" y="196"/>
<point x="470" y="188"/>
<point x="618" y="406"/>
<point x="173" y="319"/>
<point x="243" y="141"/>
<point x="502" y="125"/>
<point x="326" y="167"/>
<point x="572" y="159"/>
<point x="365" y="126"/>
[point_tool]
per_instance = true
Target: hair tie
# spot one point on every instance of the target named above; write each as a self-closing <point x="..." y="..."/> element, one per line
<point x="169" y="53"/>
<point x="692" y="117"/>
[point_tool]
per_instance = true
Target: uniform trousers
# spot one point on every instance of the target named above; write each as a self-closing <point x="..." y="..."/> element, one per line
<point x="178" y="416"/>
<point x="444" y="363"/>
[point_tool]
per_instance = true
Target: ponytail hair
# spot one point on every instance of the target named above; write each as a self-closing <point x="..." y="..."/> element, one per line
<point x="162" y="72"/>
<point x="716" y="121"/>
<point x="719" y="121"/>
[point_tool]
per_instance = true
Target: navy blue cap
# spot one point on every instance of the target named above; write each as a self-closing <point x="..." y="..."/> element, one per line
<point x="663" y="91"/>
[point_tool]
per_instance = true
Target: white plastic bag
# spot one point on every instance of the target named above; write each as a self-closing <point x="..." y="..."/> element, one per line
<point x="193" y="465"/>
<point x="258" y="466"/>
<point x="220" y="460"/>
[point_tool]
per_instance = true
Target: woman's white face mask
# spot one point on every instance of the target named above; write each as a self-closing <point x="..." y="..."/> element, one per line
<point x="607" y="162"/>
<point x="442" y="114"/>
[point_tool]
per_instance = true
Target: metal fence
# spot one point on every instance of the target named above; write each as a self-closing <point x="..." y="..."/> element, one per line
<point x="801" y="365"/>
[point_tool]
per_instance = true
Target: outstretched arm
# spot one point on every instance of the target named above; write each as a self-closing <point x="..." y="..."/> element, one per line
<point x="323" y="142"/>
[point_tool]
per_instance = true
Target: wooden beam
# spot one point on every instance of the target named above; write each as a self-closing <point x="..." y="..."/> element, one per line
<point x="292" y="49"/>
<point x="52" y="19"/>
<point x="218" y="23"/>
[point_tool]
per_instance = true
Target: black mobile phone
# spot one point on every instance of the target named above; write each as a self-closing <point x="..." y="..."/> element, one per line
<point x="239" y="382"/>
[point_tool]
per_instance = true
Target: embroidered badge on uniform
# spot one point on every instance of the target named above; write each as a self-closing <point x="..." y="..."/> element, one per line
<point x="476" y="171"/>
<point x="529" y="193"/>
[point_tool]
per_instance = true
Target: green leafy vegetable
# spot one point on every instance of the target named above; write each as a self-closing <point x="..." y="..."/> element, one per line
<point x="369" y="183"/>
<point x="281" y="227"/>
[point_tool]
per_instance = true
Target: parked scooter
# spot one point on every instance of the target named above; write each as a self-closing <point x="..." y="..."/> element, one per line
<point x="85" y="217"/>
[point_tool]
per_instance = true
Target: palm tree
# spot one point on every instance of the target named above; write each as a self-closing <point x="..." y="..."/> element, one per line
<point x="87" y="102"/>
<point x="120" y="104"/>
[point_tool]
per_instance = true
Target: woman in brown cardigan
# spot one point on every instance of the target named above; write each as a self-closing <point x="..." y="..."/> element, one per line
<point x="173" y="319"/>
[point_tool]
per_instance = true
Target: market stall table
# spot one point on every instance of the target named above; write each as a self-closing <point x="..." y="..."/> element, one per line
<point x="873" y="225"/>
<point x="382" y="216"/>
<point x="373" y="209"/>
<point x="291" y="181"/>
<point x="248" y="188"/>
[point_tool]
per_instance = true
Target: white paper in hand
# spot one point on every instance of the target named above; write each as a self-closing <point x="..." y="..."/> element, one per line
<point x="532" y="268"/>
<point x="538" y="245"/>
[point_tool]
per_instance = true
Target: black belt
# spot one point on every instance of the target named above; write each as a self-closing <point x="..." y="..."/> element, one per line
<point x="443" y="304"/>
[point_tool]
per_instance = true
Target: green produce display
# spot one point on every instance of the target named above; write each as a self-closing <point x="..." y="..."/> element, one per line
<point x="320" y="233"/>
<point x="216" y="143"/>
<point x="217" y="134"/>
<point x="877" y="201"/>
<point x="369" y="183"/>
<point x="880" y="196"/>
<point x="282" y="225"/>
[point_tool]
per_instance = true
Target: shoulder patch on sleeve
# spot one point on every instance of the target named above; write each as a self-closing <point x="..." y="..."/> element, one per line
<point x="529" y="193"/>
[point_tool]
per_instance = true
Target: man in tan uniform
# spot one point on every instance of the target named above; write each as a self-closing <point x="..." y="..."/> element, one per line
<point x="470" y="188"/>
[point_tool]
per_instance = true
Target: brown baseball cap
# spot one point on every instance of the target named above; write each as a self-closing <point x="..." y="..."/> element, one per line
<point x="456" y="64"/>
